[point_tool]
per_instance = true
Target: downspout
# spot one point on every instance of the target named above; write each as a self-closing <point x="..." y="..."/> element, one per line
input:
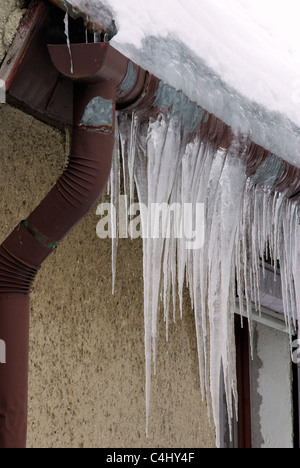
<point x="99" y="80"/>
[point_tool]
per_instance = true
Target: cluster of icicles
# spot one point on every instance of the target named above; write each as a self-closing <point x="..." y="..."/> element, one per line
<point x="98" y="37"/>
<point x="159" y="160"/>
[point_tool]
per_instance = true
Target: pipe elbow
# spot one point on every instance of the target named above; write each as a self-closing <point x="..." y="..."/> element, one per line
<point x="21" y="257"/>
<point x="80" y="186"/>
<point x="75" y="193"/>
<point x="77" y="190"/>
<point x="85" y="178"/>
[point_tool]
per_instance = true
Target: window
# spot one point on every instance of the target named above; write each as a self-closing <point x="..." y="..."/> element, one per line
<point x="268" y="381"/>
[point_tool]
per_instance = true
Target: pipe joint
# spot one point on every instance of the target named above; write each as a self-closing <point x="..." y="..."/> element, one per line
<point x="21" y="256"/>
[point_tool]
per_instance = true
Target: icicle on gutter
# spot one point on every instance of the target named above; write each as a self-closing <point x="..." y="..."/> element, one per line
<point x="172" y="160"/>
<point x="66" y="21"/>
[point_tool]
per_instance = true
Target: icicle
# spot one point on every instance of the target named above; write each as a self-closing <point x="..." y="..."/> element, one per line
<point x="115" y="198"/>
<point x="244" y="222"/>
<point x="66" y="21"/>
<point x="97" y="34"/>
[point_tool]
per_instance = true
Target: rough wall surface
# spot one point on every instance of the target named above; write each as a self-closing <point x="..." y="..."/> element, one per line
<point x="87" y="347"/>
<point x="11" y="11"/>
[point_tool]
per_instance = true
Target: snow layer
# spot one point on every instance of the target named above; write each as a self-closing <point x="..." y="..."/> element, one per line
<point x="239" y="59"/>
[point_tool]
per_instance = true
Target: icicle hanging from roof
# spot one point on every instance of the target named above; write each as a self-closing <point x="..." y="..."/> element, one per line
<point x="168" y="164"/>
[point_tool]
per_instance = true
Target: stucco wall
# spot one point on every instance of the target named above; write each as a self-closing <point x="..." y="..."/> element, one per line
<point x="11" y="12"/>
<point x="87" y="347"/>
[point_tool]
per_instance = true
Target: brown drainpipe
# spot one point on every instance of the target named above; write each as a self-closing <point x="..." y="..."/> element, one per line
<point x="101" y="75"/>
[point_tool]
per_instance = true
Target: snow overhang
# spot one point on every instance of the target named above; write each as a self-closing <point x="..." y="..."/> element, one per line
<point x="34" y="85"/>
<point x="234" y="59"/>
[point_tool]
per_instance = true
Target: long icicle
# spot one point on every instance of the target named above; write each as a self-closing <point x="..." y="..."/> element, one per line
<point x="242" y="221"/>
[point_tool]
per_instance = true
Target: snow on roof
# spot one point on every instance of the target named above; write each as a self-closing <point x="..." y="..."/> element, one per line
<point x="239" y="59"/>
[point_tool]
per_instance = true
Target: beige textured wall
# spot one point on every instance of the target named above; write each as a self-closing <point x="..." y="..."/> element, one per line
<point x="11" y="12"/>
<point x="87" y="351"/>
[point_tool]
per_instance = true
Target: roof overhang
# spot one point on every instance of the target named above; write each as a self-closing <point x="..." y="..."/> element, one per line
<point x="34" y="85"/>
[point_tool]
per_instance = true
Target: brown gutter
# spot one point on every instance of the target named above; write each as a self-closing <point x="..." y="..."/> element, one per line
<point x="100" y="76"/>
<point x="51" y="97"/>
